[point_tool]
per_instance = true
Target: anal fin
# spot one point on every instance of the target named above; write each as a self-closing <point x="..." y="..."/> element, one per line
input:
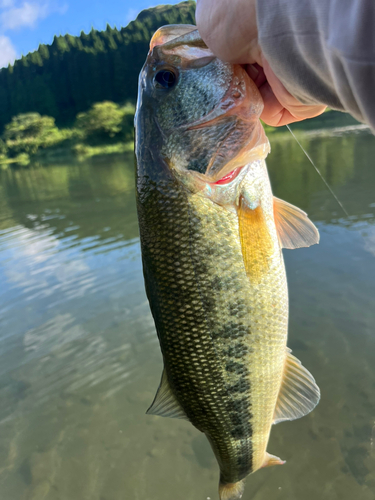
<point x="271" y="460"/>
<point x="298" y="393"/>
<point x="294" y="228"/>
<point x="165" y="403"/>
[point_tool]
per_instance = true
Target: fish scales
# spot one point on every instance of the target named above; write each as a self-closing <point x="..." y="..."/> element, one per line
<point x="211" y="238"/>
<point x="216" y="324"/>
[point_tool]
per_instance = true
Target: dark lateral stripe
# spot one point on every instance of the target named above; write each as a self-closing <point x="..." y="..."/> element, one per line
<point x="239" y="409"/>
<point x="241" y="386"/>
<point x="238" y="350"/>
<point x="239" y="405"/>
<point x="231" y="330"/>
<point x="237" y="309"/>
<point x="237" y="368"/>
<point x="245" y="459"/>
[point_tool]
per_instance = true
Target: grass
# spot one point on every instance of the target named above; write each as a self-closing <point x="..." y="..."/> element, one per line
<point x="84" y="151"/>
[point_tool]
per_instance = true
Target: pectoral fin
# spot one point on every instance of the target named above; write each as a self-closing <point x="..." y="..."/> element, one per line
<point x="294" y="228"/>
<point x="165" y="403"/>
<point x="298" y="394"/>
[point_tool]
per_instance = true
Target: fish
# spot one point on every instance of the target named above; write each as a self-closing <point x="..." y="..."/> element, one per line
<point x="212" y="235"/>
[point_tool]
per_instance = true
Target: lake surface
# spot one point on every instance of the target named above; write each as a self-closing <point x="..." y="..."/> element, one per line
<point x="80" y="362"/>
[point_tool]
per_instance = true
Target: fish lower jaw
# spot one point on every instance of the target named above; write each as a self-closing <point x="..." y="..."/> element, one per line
<point x="227" y="178"/>
<point x="240" y="182"/>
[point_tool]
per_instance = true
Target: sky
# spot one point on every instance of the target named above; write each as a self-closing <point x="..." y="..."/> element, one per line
<point x="24" y="24"/>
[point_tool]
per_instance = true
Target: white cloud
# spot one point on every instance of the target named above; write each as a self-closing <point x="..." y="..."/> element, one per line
<point x="4" y="4"/>
<point x="16" y="15"/>
<point x="7" y="51"/>
<point x="25" y="15"/>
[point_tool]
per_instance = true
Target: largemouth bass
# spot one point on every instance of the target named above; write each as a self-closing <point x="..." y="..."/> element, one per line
<point x="211" y="237"/>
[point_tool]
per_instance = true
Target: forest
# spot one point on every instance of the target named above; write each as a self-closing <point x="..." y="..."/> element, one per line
<point x="78" y="94"/>
<point x="107" y="127"/>
<point x="65" y="78"/>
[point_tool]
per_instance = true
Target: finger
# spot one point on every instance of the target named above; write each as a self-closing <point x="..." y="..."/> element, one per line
<point x="274" y="113"/>
<point x="212" y="25"/>
<point x="294" y="107"/>
<point x="256" y="73"/>
<point x="229" y="29"/>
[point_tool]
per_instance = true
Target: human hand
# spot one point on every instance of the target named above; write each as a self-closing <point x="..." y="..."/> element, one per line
<point x="229" y="28"/>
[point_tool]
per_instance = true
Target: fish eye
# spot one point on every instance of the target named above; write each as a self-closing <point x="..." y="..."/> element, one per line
<point x="165" y="79"/>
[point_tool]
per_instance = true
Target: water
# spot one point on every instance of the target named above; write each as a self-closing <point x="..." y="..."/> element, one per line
<point x="80" y="362"/>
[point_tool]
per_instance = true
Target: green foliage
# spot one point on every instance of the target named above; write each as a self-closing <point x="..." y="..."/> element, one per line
<point x="3" y="148"/>
<point x="70" y="75"/>
<point x="28" y="125"/>
<point x="105" y="120"/>
<point x="84" y="151"/>
<point x="127" y="124"/>
<point x="106" y="127"/>
<point x="27" y="132"/>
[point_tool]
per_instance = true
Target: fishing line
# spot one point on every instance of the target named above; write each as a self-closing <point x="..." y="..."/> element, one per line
<point x="316" y="168"/>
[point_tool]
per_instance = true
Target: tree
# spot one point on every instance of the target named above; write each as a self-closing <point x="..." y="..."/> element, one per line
<point x="103" y="120"/>
<point x="43" y="51"/>
<point x="79" y="71"/>
<point x="127" y="124"/>
<point x="3" y="148"/>
<point x="27" y="132"/>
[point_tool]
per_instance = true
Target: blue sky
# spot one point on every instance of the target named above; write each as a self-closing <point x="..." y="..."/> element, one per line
<point x="24" y="24"/>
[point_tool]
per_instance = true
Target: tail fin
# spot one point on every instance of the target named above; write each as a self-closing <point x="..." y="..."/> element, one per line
<point x="231" y="491"/>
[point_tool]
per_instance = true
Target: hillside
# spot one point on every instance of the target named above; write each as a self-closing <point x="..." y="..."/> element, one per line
<point x="68" y="76"/>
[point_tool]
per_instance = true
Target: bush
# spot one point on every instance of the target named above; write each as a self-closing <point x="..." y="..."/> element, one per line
<point x="106" y="120"/>
<point x="127" y="124"/>
<point x="105" y="124"/>
<point x="26" y="133"/>
<point x="3" y="148"/>
<point x="102" y="120"/>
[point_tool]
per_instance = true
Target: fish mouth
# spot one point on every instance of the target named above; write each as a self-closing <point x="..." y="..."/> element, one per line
<point x="227" y="178"/>
<point x="246" y="141"/>
<point x="230" y="135"/>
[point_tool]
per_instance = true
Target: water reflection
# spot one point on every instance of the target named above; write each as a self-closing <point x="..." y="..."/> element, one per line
<point x="88" y="200"/>
<point x="346" y="162"/>
<point x="79" y="359"/>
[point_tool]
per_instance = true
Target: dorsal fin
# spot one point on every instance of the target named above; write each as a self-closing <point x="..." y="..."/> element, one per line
<point x="165" y="403"/>
<point x="294" y="228"/>
<point x="298" y="394"/>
